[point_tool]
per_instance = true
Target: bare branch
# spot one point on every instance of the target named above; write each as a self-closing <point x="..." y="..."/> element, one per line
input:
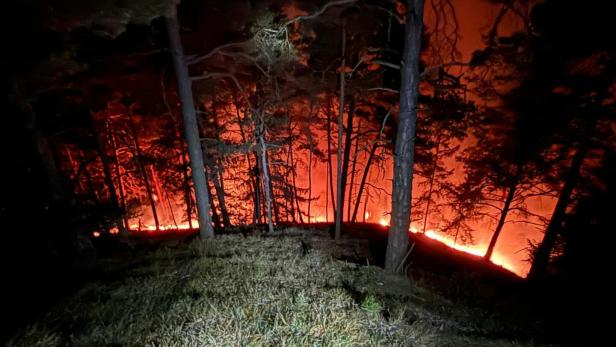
<point x="321" y="11"/>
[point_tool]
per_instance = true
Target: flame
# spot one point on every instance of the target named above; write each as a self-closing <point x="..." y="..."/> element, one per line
<point x="319" y="219"/>
<point x="497" y="258"/>
<point x="96" y="234"/>
<point x="134" y="227"/>
<point x="114" y="230"/>
<point x="478" y="250"/>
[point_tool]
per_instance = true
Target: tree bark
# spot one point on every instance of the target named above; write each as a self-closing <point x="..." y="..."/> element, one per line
<point x="501" y="220"/>
<point x="346" y="156"/>
<point x="340" y="189"/>
<point x="431" y="188"/>
<point x="350" y="197"/>
<point x="144" y="174"/>
<point x="404" y="153"/>
<point x="220" y="195"/>
<point x="113" y="196"/>
<point x="330" y="169"/>
<point x="187" y="195"/>
<point x="296" y="196"/>
<point x="189" y="117"/>
<point x="215" y="216"/>
<point x="114" y="148"/>
<point x="542" y="256"/>
<point x="364" y="177"/>
<point x="266" y="177"/>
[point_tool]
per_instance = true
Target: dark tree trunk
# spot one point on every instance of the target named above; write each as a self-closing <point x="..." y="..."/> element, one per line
<point x="215" y="216"/>
<point x="330" y="168"/>
<point x="502" y="219"/>
<point x="253" y="172"/>
<point x="351" y="185"/>
<point x="266" y="177"/>
<point x="345" y="160"/>
<point x="293" y="174"/>
<point x="542" y="256"/>
<point x="340" y="188"/>
<point x="404" y="153"/>
<point x="191" y="130"/>
<point x="311" y="149"/>
<point x="290" y="191"/>
<point x="114" y="148"/>
<point x="364" y="177"/>
<point x="431" y="188"/>
<point x="187" y="195"/>
<point x="146" y="181"/>
<point x="220" y="195"/>
<point x="113" y="195"/>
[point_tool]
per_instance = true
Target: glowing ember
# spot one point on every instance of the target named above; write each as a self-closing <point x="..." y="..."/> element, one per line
<point x="477" y="250"/>
<point x="319" y="219"/>
<point x="96" y="234"/>
<point x="114" y="230"/>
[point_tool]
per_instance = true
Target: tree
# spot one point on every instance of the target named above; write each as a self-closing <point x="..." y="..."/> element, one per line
<point x="397" y="242"/>
<point x="578" y="84"/>
<point x="191" y="130"/>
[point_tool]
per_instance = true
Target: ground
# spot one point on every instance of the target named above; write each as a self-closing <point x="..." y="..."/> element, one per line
<point x="258" y="290"/>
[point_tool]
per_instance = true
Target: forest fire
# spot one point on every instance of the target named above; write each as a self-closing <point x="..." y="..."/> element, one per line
<point x="307" y="172"/>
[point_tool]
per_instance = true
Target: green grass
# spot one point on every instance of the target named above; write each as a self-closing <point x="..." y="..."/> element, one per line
<point x="258" y="291"/>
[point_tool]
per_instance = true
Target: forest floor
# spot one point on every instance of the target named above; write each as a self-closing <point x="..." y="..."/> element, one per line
<point x="294" y="288"/>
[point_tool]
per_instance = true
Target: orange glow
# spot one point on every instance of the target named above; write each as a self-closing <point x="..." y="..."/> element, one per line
<point x="318" y="219"/>
<point x="163" y="227"/>
<point x="384" y="222"/>
<point x="114" y="230"/>
<point x="477" y="250"/>
<point x="96" y="234"/>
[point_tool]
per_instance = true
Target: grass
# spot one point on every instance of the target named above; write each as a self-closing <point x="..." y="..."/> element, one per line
<point x="258" y="291"/>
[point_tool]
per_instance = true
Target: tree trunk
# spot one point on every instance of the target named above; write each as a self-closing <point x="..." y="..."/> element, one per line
<point x="311" y="149"/>
<point x="220" y="195"/>
<point x="253" y="171"/>
<point x="293" y="174"/>
<point x="187" y="195"/>
<point x="113" y="196"/>
<point x="266" y="177"/>
<point x="146" y="181"/>
<point x="114" y="148"/>
<point x="542" y="256"/>
<point x="350" y="197"/>
<point x="404" y="157"/>
<point x="189" y="117"/>
<point x="364" y="177"/>
<point x="330" y="169"/>
<point x="431" y="188"/>
<point x="290" y="191"/>
<point x="215" y="216"/>
<point x="346" y="157"/>
<point x="340" y="189"/>
<point x="501" y="220"/>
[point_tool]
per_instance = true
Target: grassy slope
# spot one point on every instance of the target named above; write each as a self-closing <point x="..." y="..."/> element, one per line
<point x="263" y="292"/>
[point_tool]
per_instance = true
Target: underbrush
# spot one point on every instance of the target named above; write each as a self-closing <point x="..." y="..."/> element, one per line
<point x="258" y="291"/>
